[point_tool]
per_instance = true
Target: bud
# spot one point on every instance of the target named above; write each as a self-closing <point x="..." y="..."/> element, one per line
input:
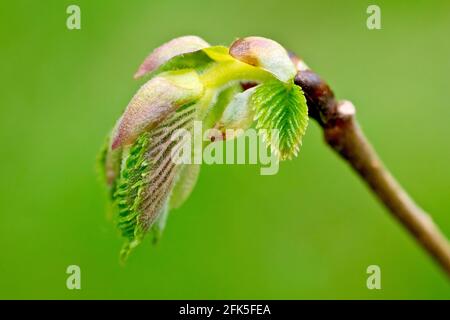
<point x="157" y="99"/>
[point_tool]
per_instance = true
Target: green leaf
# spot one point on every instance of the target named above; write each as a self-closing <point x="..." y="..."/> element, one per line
<point x="199" y="60"/>
<point x="239" y="113"/>
<point x="281" y="106"/>
<point x="215" y="111"/>
<point x="129" y="193"/>
<point x="147" y="178"/>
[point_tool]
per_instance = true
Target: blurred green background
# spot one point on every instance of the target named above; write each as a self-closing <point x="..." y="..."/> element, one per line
<point x="308" y="232"/>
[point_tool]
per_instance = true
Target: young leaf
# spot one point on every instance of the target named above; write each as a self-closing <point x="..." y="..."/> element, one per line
<point x="281" y="106"/>
<point x="164" y="170"/>
<point x="223" y="99"/>
<point x="147" y="178"/>
<point x="190" y="80"/>
<point x="128" y="196"/>
<point x="198" y="60"/>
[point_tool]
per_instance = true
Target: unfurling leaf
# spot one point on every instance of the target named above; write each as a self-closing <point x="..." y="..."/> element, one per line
<point x="129" y="193"/>
<point x="147" y="178"/>
<point x="238" y="114"/>
<point x="154" y="102"/>
<point x="282" y="107"/>
<point x="225" y="88"/>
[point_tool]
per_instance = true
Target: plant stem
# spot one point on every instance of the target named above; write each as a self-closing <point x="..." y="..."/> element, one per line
<point x="343" y="135"/>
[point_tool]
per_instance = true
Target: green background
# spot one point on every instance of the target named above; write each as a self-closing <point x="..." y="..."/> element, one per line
<point x="308" y="232"/>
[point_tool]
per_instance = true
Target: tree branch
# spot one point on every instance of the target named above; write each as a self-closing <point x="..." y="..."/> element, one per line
<point x="343" y="134"/>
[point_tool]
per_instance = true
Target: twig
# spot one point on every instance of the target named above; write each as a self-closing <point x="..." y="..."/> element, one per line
<point x="343" y="134"/>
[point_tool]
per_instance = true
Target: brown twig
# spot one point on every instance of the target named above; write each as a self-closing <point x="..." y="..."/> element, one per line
<point x="343" y="134"/>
